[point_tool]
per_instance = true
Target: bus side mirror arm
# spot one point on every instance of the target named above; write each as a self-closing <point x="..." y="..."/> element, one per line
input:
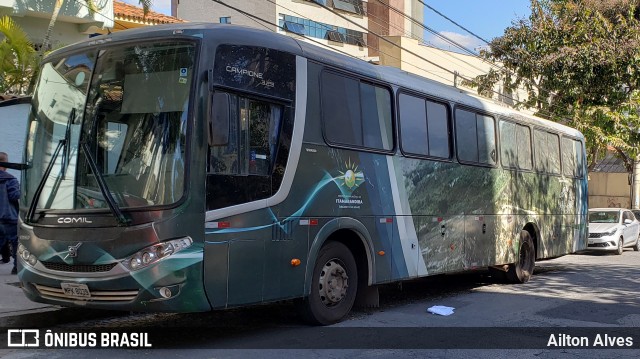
<point x="15" y="166"/>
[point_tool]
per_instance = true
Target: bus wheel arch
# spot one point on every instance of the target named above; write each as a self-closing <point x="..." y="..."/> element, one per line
<point x="338" y="236"/>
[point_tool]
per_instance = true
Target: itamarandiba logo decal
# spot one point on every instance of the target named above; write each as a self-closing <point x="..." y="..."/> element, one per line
<point x="350" y="179"/>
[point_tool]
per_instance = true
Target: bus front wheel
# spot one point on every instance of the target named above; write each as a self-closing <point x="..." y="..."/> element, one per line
<point x="522" y="269"/>
<point x="333" y="287"/>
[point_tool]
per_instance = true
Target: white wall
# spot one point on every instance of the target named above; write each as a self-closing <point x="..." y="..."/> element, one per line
<point x="74" y="22"/>
<point x="13" y="130"/>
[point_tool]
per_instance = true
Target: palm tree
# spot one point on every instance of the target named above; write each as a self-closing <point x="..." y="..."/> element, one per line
<point x="46" y="43"/>
<point x="18" y="58"/>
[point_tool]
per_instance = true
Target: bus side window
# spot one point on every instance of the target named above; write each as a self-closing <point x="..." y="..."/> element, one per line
<point x="525" y="162"/>
<point x="249" y="144"/>
<point x="475" y="137"/>
<point x="224" y="156"/>
<point x="424" y="127"/>
<point x="356" y="113"/>
<point x="547" y="152"/>
<point x="571" y="157"/>
<point x="508" y="148"/>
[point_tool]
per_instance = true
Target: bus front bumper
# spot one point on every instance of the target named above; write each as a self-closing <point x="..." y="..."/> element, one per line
<point x="173" y="284"/>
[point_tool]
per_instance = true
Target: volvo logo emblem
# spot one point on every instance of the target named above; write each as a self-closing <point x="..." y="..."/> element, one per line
<point x="73" y="251"/>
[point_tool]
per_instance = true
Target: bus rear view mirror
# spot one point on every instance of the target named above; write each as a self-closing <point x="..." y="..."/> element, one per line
<point x="219" y="121"/>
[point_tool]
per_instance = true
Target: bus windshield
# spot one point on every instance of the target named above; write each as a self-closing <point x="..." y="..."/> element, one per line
<point x="110" y="125"/>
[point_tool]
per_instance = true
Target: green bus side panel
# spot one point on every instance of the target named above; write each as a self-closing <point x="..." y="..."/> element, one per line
<point x="246" y="272"/>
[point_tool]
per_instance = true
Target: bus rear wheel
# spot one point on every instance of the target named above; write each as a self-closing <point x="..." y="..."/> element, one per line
<point x="334" y="285"/>
<point x="522" y="269"/>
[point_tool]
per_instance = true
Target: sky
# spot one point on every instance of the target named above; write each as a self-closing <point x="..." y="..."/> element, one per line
<point x="161" y="6"/>
<point x="486" y="18"/>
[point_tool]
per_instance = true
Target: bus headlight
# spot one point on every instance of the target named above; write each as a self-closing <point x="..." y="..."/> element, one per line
<point x="154" y="253"/>
<point x="27" y="256"/>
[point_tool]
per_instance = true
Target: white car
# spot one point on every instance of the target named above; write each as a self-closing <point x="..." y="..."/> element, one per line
<point x="613" y="229"/>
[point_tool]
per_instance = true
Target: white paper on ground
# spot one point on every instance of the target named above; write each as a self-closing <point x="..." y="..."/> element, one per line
<point x="441" y="310"/>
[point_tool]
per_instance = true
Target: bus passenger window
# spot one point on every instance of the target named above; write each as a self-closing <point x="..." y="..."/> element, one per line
<point x="424" y="127"/>
<point x="413" y="125"/>
<point x="547" y="152"/>
<point x="356" y="113"/>
<point x="438" y="123"/>
<point x="466" y="137"/>
<point x="475" y="137"/>
<point x="376" y="117"/>
<point x="554" y="152"/>
<point x="524" y="148"/>
<point x="571" y="157"/>
<point x="508" y="148"/>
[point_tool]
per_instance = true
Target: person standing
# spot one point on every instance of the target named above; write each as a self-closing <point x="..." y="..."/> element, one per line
<point x="9" y="195"/>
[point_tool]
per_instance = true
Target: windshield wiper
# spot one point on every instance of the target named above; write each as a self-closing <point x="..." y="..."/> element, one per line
<point x="113" y="206"/>
<point x="64" y="142"/>
<point x="43" y="180"/>
<point x="67" y="148"/>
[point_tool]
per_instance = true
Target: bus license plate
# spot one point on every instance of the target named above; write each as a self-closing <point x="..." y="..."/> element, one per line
<point x="76" y="290"/>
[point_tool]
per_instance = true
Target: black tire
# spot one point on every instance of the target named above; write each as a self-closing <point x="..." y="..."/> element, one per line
<point x="522" y="270"/>
<point x="334" y="285"/>
<point x="620" y="248"/>
<point x="636" y="248"/>
<point x="499" y="276"/>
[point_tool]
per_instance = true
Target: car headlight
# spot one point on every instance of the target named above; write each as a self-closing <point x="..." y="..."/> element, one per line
<point x="611" y="232"/>
<point x="156" y="252"/>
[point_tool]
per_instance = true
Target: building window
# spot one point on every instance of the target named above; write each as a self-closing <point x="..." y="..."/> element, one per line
<point x="352" y="6"/>
<point x="225" y="20"/>
<point x="334" y="36"/>
<point x="321" y="31"/>
<point x="294" y="27"/>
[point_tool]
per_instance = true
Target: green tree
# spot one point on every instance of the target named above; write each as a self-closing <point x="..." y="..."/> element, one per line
<point x="17" y="58"/>
<point x="579" y="61"/>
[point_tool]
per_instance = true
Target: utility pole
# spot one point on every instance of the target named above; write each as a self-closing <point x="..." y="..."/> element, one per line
<point x="635" y="184"/>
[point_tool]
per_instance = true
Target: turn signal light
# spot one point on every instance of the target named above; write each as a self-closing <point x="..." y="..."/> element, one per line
<point x="295" y="262"/>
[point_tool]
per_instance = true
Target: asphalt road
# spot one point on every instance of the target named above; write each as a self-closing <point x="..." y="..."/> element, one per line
<point x="569" y="298"/>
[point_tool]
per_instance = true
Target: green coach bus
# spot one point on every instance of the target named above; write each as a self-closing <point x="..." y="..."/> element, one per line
<point x="194" y="167"/>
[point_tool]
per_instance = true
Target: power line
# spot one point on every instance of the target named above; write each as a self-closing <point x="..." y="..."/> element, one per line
<point x="258" y="20"/>
<point x="492" y="64"/>
<point x="485" y="41"/>
<point x="453" y="22"/>
<point x="399" y="46"/>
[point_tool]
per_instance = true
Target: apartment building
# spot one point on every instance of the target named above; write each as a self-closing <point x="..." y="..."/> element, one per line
<point x="347" y="26"/>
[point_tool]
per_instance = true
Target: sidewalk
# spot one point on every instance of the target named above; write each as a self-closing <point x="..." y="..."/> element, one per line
<point x="13" y="302"/>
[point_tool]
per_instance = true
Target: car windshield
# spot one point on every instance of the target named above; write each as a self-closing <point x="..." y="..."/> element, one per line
<point x="604" y="217"/>
<point x="110" y="125"/>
